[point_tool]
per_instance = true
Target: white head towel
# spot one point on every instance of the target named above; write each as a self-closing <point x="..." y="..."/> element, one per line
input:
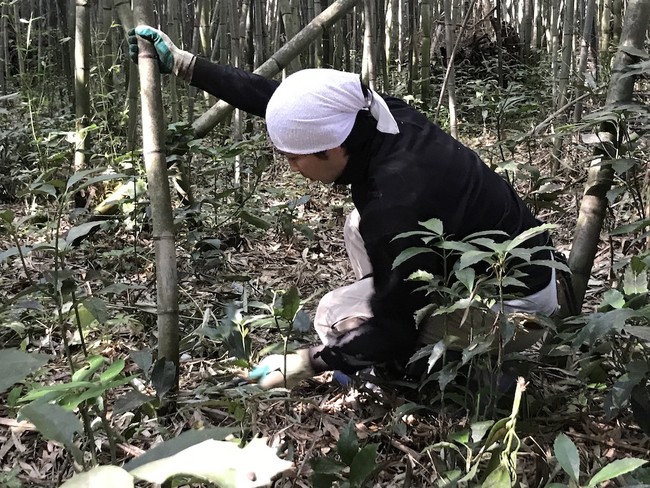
<point x="314" y="110"/>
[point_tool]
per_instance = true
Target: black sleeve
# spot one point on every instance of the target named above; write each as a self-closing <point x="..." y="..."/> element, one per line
<point x="391" y="333"/>
<point x="241" y="89"/>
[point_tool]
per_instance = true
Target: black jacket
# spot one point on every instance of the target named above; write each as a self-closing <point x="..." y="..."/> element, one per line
<point x="397" y="180"/>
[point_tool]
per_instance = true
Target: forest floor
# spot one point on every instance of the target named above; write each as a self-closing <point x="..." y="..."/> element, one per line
<point x="305" y="423"/>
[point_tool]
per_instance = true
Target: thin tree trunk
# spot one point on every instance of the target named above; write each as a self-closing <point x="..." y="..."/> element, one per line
<point x="617" y="21"/>
<point x="499" y="31"/>
<point x="600" y="176"/>
<point x="425" y="68"/>
<point x="451" y="76"/>
<point x="565" y="74"/>
<point x="368" y="72"/>
<point x="66" y="63"/>
<point x="124" y="13"/>
<point x="318" y="45"/>
<point x="527" y="28"/>
<point x="4" y="50"/>
<point x="107" y="48"/>
<point x="173" y="33"/>
<point x="235" y="54"/>
<point x="605" y="31"/>
<point x="153" y="150"/>
<point x="401" y="34"/>
<point x="390" y="41"/>
<point x="21" y="48"/>
<point x="81" y="87"/>
<point x="584" y="56"/>
<point x="291" y="22"/>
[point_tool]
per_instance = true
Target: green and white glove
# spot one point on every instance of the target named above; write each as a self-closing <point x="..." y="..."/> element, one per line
<point x="170" y="58"/>
<point x="270" y="372"/>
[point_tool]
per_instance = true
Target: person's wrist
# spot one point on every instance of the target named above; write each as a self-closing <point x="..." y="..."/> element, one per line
<point x="184" y="64"/>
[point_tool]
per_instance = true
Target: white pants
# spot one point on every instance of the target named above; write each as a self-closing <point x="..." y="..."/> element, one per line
<point x="345" y="308"/>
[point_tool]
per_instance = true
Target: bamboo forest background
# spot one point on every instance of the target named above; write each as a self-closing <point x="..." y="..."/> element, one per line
<point x="153" y="247"/>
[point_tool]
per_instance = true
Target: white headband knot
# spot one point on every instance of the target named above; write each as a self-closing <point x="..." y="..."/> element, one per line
<point x="314" y="110"/>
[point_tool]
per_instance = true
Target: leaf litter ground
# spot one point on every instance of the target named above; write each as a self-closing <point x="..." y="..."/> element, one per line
<point x="305" y="423"/>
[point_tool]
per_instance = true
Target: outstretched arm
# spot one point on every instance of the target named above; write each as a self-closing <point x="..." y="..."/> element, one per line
<point x="241" y="89"/>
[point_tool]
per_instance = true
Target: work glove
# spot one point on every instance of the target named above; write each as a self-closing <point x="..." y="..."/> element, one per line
<point x="270" y="372"/>
<point x="170" y="58"/>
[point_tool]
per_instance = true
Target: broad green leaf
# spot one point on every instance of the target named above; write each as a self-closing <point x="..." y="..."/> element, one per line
<point x="420" y="275"/>
<point x="163" y="376"/>
<point x="413" y="233"/>
<point x="363" y="465"/>
<point x="567" y="455"/>
<point x="472" y="257"/>
<point x="101" y="477"/>
<point x="325" y="465"/>
<point x="94" y="363"/>
<point x="489" y="243"/>
<point x="7" y="216"/>
<point x="323" y="480"/>
<point x="616" y="468"/>
<point x="635" y="283"/>
<point x="436" y="353"/>
<point x="52" y="421"/>
<point x="131" y="401"/>
<point x="447" y="375"/>
<point x="302" y="322"/>
<point x="499" y="478"/>
<point x="409" y="253"/>
<point x="14" y="251"/>
<point x="467" y="277"/>
<point x="456" y="246"/>
<point x="527" y="234"/>
<point x="634" y="52"/>
<point x="348" y="444"/>
<point x="254" y="220"/>
<point x="144" y="359"/>
<point x="112" y="371"/>
<point x="97" y="307"/>
<point x="81" y="230"/>
<point x="479" y="345"/>
<point x="600" y="324"/>
<point x="73" y="401"/>
<point x="290" y="304"/>
<point x="485" y="233"/>
<point x="16" y="365"/>
<point x="80" y="175"/>
<point x="613" y="298"/>
<point x="177" y="444"/>
<point x="479" y="429"/>
<point x="619" y="394"/>
<point x="434" y="225"/>
<point x="220" y="462"/>
<point x="497" y="432"/>
<point x="100" y="178"/>
<point x="628" y="228"/>
<point x="640" y="331"/>
<point x="62" y="388"/>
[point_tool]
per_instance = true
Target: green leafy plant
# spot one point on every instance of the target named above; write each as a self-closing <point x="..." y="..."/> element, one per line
<point x="84" y="392"/>
<point x="467" y="295"/>
<point x="352" y="466"/>
<point x="568" y="459"/>
<point x="495" y="441"/>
